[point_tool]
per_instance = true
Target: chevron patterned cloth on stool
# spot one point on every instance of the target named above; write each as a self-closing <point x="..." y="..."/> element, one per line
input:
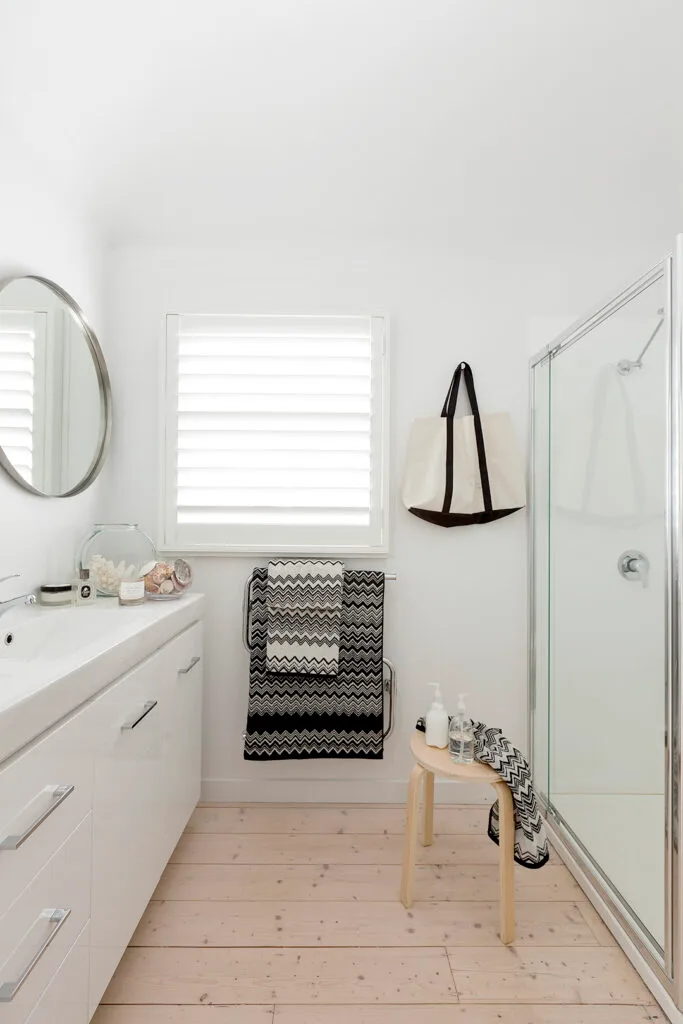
<point x="300" y="715"/>
<point x="304" y="612"/>
<point x="531" y="840"/>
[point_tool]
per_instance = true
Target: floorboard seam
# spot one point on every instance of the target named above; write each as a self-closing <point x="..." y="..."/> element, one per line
<point x="450" y="968"/>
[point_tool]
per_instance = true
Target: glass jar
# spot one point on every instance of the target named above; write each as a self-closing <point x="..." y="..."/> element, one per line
<point x="114" y="552"/>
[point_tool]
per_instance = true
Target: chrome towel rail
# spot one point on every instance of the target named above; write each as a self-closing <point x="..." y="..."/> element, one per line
<point x="389" y="674"/>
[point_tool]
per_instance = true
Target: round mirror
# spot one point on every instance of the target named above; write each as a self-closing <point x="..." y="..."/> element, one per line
<point x="55" y="398"/>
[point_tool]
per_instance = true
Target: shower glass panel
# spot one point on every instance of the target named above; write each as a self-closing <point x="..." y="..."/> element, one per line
<point x="599" y="464"/>
<point x="540" y="523"/>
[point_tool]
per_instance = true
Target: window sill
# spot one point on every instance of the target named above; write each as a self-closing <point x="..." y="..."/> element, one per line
<point x="237" y="551"/>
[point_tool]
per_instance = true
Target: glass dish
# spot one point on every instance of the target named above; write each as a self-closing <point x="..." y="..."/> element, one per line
<point x="167" y="581"/>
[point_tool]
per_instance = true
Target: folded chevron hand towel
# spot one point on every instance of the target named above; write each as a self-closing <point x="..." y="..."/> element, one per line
<point x="531" y="840"/>
<point x="294" y="716"/>
<point x="304" y="600"/>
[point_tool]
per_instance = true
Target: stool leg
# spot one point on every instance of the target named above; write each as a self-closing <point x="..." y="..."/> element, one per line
<point x="410" y="840"/>
<point x="506" y="819"/>
<point x="428" y="810"/>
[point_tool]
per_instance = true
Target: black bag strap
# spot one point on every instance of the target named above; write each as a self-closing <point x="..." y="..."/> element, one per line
<point x="451" y="398"/>
<point x="448" y="412"/>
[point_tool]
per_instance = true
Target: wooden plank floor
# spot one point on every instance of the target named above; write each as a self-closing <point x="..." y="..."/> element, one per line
<point x="290" y="915"/>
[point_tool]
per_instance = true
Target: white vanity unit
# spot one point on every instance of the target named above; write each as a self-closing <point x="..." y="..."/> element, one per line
<point x="100" y="744"/>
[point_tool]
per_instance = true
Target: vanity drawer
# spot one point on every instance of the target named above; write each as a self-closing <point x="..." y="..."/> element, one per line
<point x="42" y="925"/>
<point x="44" y="794"/>
<point x="65" y="1001"/>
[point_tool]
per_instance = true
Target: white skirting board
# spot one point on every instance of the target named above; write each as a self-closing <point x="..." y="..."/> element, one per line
<point x="333" y="791"/>
<point x="642" y="967"/>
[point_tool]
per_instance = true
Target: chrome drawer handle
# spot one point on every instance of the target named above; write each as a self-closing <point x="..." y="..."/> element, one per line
<point x="8" y="989"/>
<point x="193" y="661"/>
<point x="148" y="706"/>
<point x="57" y="797"/>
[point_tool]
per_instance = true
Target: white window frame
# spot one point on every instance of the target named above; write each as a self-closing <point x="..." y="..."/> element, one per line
<point x="207" y="539"/>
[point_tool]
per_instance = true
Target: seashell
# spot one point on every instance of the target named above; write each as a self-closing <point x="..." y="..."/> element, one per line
<point x="166" y="587"/>
<point x="159" y="573"/>
<point x="182" y="574"/>
<point x="150" y="586"/>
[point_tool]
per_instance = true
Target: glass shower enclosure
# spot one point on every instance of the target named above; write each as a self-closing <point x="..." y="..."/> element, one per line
<point x="605" y="598"/>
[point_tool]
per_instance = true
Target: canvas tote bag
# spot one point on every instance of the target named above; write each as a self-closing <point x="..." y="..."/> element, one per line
<point x="463" y="470"/>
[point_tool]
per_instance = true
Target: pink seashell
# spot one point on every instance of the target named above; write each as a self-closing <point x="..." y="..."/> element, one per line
<point x="182" y="574"/>
<point x="159" y="573"/>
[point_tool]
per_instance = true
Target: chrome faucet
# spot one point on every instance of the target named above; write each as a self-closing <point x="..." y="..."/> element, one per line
<point x="28" y="599"/>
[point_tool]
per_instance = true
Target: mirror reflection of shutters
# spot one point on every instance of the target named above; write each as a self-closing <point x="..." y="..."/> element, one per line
<point x="18" y="353"/>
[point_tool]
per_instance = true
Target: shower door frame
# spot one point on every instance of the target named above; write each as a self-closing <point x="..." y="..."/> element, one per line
<point x="666" y="966"/>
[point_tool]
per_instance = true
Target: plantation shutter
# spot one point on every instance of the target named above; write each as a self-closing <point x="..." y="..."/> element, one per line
<point x="275" y="433"/>
<point x="18" y="333"/>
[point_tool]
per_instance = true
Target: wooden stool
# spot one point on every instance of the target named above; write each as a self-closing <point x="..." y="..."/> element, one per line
<point x="430" y="762"/>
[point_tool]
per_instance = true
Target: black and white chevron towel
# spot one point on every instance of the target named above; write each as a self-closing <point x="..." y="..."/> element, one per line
<point x="296" y="716"/>
<point x="531" y="840"/>
<point x="304" y="615"/>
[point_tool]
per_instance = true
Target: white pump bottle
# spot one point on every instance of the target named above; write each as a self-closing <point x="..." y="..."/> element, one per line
<point x="436" y="731"/>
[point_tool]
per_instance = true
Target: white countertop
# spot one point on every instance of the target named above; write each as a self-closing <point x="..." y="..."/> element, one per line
<point x="59" y="658"/>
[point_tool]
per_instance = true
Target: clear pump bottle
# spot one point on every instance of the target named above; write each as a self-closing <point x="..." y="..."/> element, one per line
<point x="461" y="735"/>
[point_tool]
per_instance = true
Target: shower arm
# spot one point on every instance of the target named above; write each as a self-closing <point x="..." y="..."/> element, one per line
<point x="626" y="365"/>
<point x="649" y="341"/>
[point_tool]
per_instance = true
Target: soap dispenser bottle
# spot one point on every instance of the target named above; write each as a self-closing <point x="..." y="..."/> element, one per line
<point x="84" y="590"/>
<point x="461" y="735"/>
<point x="436" y="726"/>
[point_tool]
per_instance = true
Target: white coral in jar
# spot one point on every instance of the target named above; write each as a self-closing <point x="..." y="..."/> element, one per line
<point x="107" y="577"/>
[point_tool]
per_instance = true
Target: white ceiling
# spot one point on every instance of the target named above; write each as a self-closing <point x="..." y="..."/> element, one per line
<point x="190" y="119"/>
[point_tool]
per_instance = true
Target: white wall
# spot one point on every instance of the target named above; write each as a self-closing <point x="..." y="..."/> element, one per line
<point x="457" y="612"/>
<point x="45" y="233"/>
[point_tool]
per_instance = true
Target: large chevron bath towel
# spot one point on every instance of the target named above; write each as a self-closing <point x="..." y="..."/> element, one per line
<point x="304" y="600"/>
<point x="531" y="840"/>
<point x="299" y="715"/>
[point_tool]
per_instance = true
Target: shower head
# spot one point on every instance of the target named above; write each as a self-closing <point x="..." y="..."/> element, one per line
<point x="626" y="366"/>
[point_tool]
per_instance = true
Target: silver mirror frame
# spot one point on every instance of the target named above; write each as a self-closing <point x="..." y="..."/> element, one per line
<point x="103" y="382"/>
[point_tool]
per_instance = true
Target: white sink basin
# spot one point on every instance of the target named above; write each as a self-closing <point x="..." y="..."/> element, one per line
<point x="32" y="634"/>
<point x="54" y="659"/>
